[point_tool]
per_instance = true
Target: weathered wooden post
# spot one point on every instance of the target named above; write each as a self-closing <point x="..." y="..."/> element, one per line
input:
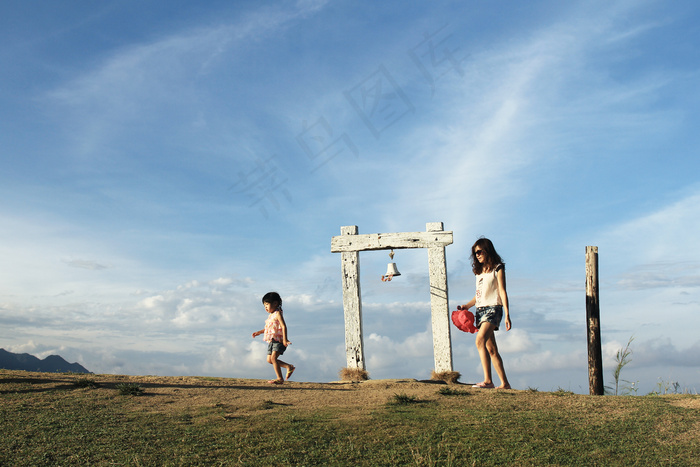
<point x="439" y="304"/>
<point x="595" y="358"/>
<point x="352" y="304"/>
<point x="350" y="243"/>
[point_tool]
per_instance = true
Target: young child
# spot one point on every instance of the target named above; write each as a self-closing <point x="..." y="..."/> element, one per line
<point x="491" y="302"/>
<point x="276" y="336"/>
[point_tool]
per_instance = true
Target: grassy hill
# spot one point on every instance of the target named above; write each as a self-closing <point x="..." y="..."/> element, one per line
<point x="70" y="419"/>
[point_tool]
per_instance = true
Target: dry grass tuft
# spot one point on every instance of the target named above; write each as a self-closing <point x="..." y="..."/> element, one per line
<point x="450" y="377"/>
<point x="353" y="374"/>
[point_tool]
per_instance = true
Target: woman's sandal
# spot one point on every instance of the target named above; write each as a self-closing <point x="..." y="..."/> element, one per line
<point x="484" y="385"/>
<point x="289" y="372"/>
<point x="275" y="381"/>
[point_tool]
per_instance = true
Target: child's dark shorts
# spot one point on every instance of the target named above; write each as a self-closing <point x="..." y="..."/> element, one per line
<point x="490" y="314"/>
<point x="276" y="346"/>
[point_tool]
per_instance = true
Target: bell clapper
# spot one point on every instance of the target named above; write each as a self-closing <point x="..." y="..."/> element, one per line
<point x="391" y="269"/>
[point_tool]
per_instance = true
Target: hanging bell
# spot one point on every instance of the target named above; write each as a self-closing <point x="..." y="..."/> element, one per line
<point x="391" y="271"/>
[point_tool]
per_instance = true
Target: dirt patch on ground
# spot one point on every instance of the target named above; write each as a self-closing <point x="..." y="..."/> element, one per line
<point x="251" y="395"/>
<point x="173" y="394"/>
<point x="687" y="403"/>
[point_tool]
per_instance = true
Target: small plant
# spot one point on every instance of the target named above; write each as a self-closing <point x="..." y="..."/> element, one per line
<point x="85" y="383"/>
<point x="664" y="387"/>
<point x="270" y="404"/>
<point x="622" y="358"/>
<point x="563" y="392"/>
<point x="353" y="374"/>
<point x="450" y="377"/>
<point x="448" y="391"/>
<point x="129" y="389"/>
<point x="403" y="399"/>
<point x="531" y="389"/>
<point x="266" y="405"/>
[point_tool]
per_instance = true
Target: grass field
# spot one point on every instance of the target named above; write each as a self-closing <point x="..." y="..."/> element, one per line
<point x="64" y="419"/>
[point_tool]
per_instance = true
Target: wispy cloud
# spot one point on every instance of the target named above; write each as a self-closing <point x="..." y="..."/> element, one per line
<point x="142" y="83"/>
<point x="666" y="233"/>
<point x="522" y="105"/>
<point x="86" y="264"/>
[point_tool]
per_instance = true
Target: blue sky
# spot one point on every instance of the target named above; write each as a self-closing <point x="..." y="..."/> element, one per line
<point x="165" y="164"/>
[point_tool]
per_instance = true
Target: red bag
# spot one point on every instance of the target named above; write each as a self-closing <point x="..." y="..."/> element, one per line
<point x="464" y="320"/>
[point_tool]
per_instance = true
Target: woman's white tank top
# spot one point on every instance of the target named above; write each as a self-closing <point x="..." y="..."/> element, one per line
<point x="487" y="288"/>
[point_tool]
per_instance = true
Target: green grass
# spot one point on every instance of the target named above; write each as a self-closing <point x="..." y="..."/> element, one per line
<point x="403" y="399"/>
<point x="84" y="382"/>
<point x="129" y="389"/>
<point x="70" y="425"/>
<point x="449" y="391"/>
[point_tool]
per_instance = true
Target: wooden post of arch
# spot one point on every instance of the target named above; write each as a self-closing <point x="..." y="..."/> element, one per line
<point x="435" y="239"/>
<point x="595" y="355"/>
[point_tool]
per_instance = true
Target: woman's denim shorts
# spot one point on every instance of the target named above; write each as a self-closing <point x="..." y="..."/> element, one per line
<point x="491" y="314"/>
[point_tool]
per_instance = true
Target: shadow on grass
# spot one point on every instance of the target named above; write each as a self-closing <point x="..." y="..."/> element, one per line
<point x="62" y="381"/>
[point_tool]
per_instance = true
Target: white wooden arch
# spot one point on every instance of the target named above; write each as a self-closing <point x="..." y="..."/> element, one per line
<point x="349" y="243"/>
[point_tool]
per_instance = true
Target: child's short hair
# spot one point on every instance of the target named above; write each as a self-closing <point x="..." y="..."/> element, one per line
<point x="272" y="297"/>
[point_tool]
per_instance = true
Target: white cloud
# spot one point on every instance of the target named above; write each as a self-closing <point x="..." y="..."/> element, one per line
<point x="146" y="85"/>
<point x="239" y="360"/>
<point x="86" y="264"/>
<point x="666" y="275"/>
<point x="522" y="105"/>
<point x="666" y="234"/>
<point x="409" y="357"/>
<point x="547" y="361"/>
<point x="514" y="341"/>
<point x="28" y="347"/>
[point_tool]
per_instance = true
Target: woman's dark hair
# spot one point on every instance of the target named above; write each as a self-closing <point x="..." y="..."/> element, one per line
<point x="272" y="298"/>
<point x="491" y="258"/>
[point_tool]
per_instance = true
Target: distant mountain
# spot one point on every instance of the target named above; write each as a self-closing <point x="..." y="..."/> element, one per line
<point x="51" y="364"/>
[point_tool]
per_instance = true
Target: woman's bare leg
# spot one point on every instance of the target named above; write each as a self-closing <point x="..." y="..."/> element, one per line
<point x="497" y="361"/>
<point x="482" y="338"/>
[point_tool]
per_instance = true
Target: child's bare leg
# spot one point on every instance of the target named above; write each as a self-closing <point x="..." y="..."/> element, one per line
<point x="485" y="333"/>
<point x="273" y="359"/>
<point x="282" y="364"/>
<point x="497" y="362"/>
